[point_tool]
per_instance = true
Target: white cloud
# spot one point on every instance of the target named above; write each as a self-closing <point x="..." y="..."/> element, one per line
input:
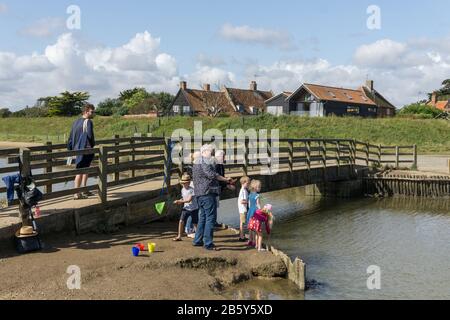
<point x="3" y="8"/>
<point x="249" y="35"/>
<point x="43" y="28"/>
<point x="68" y="64"/>
<point x="403" y="72"/>
<point x="381" y="53"/>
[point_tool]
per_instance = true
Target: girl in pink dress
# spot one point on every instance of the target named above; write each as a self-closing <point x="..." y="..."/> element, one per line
<point x="263" y="216"/>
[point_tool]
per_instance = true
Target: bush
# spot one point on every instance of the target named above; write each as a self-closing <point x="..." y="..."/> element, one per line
<point x="109" y="107"/>
<point x="425" y="111"/>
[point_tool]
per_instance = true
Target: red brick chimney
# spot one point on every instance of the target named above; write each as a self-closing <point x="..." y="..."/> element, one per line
<point x="207" y="87"/>
<point x="183" y="85"/>
<point x="253" y="86"/>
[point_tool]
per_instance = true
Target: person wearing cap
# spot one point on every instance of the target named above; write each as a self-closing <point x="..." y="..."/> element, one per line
<point x="207" y="188"/>
<point x="190" y="208"/>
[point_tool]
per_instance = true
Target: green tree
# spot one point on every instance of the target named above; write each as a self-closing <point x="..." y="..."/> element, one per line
<point x="5" y="113"/>
<point x="67" y="104"/>
<point x="109" y="107"/>
<point x="127" y="94"/>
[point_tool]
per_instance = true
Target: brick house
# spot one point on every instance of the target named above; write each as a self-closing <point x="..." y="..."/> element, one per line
<point x="230" y="101"/>
<point x="321" y="101"/>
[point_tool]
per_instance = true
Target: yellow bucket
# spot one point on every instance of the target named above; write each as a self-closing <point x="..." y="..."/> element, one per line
<point x="151" y="247"/>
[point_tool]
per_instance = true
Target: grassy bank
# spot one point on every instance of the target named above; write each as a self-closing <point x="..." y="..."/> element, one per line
<point x="431" y="136"/>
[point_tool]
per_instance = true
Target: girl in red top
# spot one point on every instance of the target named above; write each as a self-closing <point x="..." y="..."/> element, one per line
<point x="256" y="223"/>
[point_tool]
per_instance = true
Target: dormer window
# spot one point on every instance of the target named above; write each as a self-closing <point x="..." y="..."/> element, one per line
<point x="253" y="110"/>
<point x="240" y="108"/>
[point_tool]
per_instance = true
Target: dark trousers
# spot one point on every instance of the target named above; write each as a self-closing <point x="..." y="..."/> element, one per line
<point x="206" y="221"/>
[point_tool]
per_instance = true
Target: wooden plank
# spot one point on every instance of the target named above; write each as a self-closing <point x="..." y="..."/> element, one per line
<point x="125" y="166"/>
<point x="63" y="154"/>
<point x="135" y="146"/>
<point x="67" y="173"/>
<point x="136" y="179"/>
<point x="10" y="151"/>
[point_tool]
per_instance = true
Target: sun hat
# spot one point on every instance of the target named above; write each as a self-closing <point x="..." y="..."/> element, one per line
<point x="25" y="232"/>
<point x="185" y="178"/>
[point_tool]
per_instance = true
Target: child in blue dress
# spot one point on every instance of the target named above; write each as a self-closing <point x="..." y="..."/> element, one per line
<point x="253" y="205"/>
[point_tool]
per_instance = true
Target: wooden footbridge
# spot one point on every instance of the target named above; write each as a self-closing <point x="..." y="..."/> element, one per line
<point x="129" y="174"/>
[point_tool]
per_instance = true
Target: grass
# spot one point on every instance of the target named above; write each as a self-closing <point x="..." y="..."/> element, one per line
<point x="431" y="136"/>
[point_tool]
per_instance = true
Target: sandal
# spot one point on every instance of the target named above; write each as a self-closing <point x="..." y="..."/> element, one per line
<point x="177" y="239"/>
<point x="79" y="196"/>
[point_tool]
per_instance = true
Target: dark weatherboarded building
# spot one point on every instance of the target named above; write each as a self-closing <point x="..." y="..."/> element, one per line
<point x="231" y="101"/>
<point x="321" y="101"/>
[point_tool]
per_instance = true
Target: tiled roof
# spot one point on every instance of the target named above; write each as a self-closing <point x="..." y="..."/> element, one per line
<point x="339" y="94"/>
<point x="199" y="99"/>
<point x="248" y="98"/>
<point x="442" y="105"/>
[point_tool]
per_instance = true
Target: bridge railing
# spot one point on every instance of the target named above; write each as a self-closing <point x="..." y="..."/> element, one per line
<point x="122" y="161"/>
<point x="117" y="161"/>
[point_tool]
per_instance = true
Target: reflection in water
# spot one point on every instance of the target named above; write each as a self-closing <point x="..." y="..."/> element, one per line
<point x="407" y="238"/>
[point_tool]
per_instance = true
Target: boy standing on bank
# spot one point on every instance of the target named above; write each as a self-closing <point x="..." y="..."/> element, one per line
<point x="243" y="206"/>
<point x="190" y="207"/>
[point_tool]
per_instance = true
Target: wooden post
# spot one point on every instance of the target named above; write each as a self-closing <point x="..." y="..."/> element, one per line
<point x="415" y="165"/>
<point x="103" y="174"/>
<point x="133" y="157"/>
<point x="338" y="156"/>
<point x="379" y="155"/>
<point x="26" y="166"/>
<point x="324" y="160"/>
<point x="291" y="162"/>
<point x="308" y="155"/>
<point x="49" y="167"/>
<point x="246" y="156"/>
<point x="291" y="157"/>
<point x="397" y="157"/>
<point x="367" y="154"/>
<point x="167" y="160"/>
<point x="116" y="158"/>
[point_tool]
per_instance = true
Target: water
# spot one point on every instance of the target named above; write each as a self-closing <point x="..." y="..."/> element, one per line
<point x="409" y="239"/>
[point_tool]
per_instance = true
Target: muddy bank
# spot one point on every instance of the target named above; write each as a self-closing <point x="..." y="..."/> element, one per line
<point x="177" y="270"/>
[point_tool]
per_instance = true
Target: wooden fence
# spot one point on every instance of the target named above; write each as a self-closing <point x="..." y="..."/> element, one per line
<point x="146" y="158"/>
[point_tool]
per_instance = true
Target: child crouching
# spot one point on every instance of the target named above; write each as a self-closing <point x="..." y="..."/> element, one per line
<point x="263" y="216"/>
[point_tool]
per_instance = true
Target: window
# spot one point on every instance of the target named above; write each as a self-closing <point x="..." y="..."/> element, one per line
<point x="349" y="97"/>
<point x="309" y="97"/>
<point x="353" y="110"/>
<point x="371" y="109"/>
<point x="253" y="110"/>
<point x="186" y="109"/>
<point x="240" y="108"/>
<point x="176" y="109"/>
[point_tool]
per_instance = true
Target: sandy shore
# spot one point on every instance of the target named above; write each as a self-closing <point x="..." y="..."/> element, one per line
<point x="177" y="270"/>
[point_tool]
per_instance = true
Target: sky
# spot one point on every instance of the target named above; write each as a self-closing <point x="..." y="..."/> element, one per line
<point x="105" y="47"/>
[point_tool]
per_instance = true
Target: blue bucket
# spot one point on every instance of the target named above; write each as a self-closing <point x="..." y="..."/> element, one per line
<point x="135" y="251"/>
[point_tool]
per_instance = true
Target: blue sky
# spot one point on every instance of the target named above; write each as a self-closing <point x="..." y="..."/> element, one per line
<point x="282" y="43"/>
